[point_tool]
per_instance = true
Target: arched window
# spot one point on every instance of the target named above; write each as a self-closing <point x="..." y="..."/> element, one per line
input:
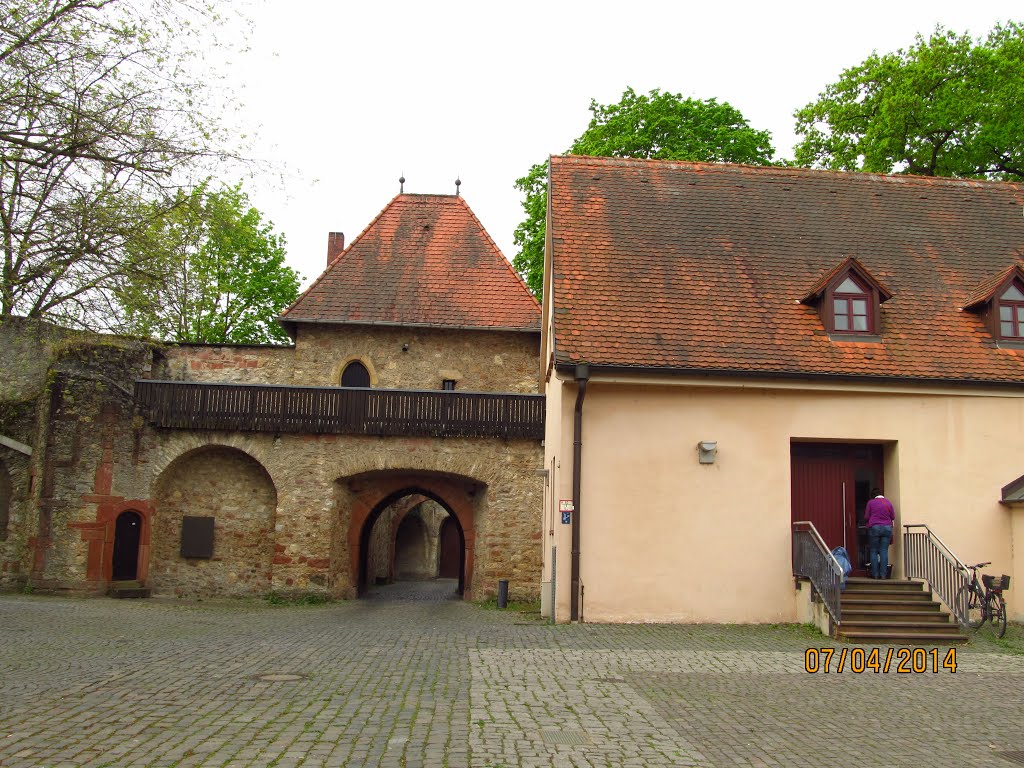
<point x="355" y="375"/>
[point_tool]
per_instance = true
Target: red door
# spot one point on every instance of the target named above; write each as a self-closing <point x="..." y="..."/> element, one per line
<point x="451" y="550"/>
<point x="830" y="487"/>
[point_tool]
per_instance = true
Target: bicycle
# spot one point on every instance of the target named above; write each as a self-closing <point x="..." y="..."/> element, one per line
<point x="984" y="603"/>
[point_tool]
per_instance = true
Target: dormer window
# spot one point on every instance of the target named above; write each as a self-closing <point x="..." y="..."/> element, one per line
<point x="999" y="301"/>
<point x="848" y="300"/>
<point x="850" y="307"/>
<point x="1011" y="312"/>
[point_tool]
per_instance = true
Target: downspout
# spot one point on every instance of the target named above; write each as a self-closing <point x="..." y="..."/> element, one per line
<point x="582" y="376"/>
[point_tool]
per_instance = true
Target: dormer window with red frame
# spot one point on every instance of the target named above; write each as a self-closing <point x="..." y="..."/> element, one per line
<point x="848" y="300"/>
<point x="850" y="308"/>
<point x="1011" y="312"/>
<point x="999" y="301"/>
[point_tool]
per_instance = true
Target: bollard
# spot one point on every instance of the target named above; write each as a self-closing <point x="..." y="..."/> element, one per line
<point x="503" y="593"/>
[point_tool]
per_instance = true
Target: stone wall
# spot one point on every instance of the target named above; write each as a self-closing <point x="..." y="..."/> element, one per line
<point x="233" y="489"/>
<point x="315" y="503"/>
<point x="397" y="358"/>
<point x="284" y="504"/>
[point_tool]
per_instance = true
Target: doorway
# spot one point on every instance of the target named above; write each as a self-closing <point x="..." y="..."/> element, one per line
<point x="831" y="486"/>
<point x="450" y="557"/>
<point x="127" y="533"/>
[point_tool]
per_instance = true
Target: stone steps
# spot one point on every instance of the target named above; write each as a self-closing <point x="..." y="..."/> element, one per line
<point x="890" y="611"/>
<point x="127" y="589"/>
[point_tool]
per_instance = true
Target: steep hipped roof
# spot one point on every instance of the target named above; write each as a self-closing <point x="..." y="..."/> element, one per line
<point x="696" y="266"/>
<point x="424" y="261"/>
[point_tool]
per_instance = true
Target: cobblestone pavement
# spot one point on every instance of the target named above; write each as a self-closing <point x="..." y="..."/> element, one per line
<point x="413" y="678"/>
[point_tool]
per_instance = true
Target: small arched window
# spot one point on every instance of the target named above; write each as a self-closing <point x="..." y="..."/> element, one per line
<point x="355" y="375"/>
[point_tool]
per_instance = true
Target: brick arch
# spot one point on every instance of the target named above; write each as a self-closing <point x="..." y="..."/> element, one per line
<point x="374" y="491"/>
<point x="186" y="443"/>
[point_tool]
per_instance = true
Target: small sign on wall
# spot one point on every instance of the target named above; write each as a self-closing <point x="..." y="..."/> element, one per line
<point x="565" y="506"/>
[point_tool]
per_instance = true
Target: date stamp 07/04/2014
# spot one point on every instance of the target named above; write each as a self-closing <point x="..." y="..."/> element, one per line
<point x="904" y="661"/>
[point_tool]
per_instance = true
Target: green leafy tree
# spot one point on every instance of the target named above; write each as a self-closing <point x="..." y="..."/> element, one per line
<point x="947" y="106"/>
<point x="658" y="125"/>
<point x="220" y="269"/>
<point x="102" y="109"/>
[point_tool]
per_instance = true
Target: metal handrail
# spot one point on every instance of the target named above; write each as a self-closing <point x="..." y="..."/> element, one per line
<point x="817" y="563"/>
<point x="926" y="556"/>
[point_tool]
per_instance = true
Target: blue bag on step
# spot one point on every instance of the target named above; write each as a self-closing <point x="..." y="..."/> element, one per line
<point x="843" y="558"/>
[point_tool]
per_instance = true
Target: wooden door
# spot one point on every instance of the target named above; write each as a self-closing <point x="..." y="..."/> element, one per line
<point x="451" y="550"/>
<point x="830" y="487"/>
<point x="823" y="493"/>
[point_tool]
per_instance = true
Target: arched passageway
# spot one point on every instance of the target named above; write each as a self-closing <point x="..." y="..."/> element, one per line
<point x="415" y="534"/>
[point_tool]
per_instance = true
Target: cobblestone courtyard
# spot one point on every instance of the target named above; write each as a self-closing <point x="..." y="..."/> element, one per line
<point x="411" y="679"/>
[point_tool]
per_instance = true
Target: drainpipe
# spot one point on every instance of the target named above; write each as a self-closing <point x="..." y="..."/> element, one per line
<point x="582" y="375"/>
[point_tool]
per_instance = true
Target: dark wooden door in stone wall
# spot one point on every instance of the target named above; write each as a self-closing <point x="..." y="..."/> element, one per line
<point x="451" y="550"/>
<point x="126" y="547"/>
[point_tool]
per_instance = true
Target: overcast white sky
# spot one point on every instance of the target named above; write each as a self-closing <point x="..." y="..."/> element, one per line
<point x="347" y="96"/>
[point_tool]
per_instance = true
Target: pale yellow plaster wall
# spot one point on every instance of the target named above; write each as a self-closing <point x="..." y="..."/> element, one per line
<point x="667" y="539"/>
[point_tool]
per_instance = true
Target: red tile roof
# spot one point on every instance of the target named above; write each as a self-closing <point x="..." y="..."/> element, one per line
<point x="697" y="266"/>
<point x="425" y="260"/>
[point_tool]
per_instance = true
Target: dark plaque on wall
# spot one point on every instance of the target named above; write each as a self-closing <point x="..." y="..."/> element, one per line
<point x="197" y="537"/>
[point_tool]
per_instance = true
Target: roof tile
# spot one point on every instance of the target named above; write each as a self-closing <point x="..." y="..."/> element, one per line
<point x="701" y="266"/>
<point x="425" y="260"/>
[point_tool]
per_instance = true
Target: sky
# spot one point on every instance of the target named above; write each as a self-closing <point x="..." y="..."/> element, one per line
<point x="343" y="98"/>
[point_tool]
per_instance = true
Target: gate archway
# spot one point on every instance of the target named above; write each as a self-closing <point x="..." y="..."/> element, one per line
<point x="374" y="492"/>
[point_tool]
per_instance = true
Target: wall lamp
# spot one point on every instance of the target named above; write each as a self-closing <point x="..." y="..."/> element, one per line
<point x="706" y="450"/>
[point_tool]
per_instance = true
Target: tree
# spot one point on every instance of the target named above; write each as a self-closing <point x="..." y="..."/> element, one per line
<point x="220" y="272"/>
<point x="661" y="126"/>
<point x="948" y="106"/>
<point x="98" y="117"/>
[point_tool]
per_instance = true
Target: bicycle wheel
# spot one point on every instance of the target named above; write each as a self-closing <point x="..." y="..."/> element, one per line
<point x="975" y="604"/>
<point x="997" y="613"/>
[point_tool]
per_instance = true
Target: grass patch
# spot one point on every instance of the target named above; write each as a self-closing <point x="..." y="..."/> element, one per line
<point x="515" y="606"/>
<point x="298" y="598"/>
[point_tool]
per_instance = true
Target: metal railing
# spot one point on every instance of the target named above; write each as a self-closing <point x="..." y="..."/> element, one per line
<point x="337" y="410"/>
<point x="926" y="556"/>
<point x="813" y="560"/>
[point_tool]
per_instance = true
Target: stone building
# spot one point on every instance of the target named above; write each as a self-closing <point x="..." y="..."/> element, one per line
<point x="399" y="436"/>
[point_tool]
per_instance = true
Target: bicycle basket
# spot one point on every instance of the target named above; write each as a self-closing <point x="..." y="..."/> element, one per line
<point x="996" y="584"/>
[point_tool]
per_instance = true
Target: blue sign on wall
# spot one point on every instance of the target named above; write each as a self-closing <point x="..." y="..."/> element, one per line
<point x="566" y="518"/>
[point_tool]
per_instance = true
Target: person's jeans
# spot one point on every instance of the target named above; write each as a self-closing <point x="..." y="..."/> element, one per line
<point x="879" y="538"/>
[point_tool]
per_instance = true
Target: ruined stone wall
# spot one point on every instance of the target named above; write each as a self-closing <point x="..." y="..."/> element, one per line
<point x="397" y="358"/>
<point x="68" y="396"/>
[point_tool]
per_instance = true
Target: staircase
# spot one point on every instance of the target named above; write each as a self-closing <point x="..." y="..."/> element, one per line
<point x="894" y="612"/>
<point x="123" y="589"/>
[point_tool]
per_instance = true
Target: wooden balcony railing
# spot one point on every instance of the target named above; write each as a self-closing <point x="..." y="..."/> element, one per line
<point x="341" y="411"/>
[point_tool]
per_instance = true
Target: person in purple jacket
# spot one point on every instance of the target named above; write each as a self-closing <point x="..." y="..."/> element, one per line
<point x="878" y="517"/>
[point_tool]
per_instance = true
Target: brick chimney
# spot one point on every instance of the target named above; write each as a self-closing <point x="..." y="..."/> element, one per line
<point x="335" y="245"/>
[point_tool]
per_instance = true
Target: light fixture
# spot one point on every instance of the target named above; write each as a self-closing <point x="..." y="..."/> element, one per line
<point x="706" y="450"/>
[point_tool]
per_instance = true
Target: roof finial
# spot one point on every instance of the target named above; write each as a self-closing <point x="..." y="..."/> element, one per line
<point x="458" y="183"/>
<point x="401" y="183"/>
